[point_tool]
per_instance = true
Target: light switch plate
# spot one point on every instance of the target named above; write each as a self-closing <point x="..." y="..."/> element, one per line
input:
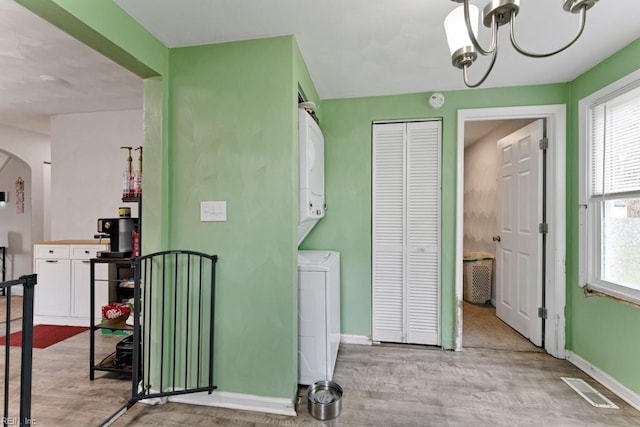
<point x="213" y="211"/>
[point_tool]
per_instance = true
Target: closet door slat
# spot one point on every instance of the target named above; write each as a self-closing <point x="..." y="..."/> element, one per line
<point x="388" y="232"/>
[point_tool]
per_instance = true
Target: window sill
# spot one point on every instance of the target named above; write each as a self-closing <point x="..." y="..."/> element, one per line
<point x="618" y="293"/>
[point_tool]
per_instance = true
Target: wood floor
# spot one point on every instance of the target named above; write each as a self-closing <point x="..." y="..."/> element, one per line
<point x="384" y="385"/>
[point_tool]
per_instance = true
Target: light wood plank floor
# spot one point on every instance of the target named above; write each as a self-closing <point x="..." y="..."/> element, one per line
<point x="384" y="385"/>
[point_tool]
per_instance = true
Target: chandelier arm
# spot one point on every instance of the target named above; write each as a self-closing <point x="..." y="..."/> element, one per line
<point x="474" y="40"/>
<point x="583" y="18"/>
<point x="465" y="69"/>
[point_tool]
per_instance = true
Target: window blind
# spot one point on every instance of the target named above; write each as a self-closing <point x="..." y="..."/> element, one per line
<point x="615" y="145"/>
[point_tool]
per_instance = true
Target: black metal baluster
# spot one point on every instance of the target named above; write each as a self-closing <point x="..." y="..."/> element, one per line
<point x="7" y="344"/>
<point x="148" y="307"/>
<point x="162" y="322"/>
<point x="186" y="324"/>
<point x="135" y="364"/>
<point x="211" y="320"/>
<point x="175" y="318"/>
<point x="26" y="367"/>
<point x="200" y="303"/>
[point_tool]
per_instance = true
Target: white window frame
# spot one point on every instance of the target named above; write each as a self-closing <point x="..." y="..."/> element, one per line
<point x="589" y="215"/>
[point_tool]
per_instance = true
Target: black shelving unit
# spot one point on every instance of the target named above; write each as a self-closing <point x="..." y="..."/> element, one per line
<point x="108" y="362"/>
<point x="119" y="264"/>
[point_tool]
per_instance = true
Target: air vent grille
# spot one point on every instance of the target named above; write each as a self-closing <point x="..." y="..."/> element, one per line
<point x="589" y="393"/>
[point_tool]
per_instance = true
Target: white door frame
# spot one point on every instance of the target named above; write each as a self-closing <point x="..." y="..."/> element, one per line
<point x="556" y="214"/>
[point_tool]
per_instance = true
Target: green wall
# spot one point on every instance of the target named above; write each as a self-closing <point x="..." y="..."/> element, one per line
<point x="153" y="166"/>
<point x="346" y="124"/>
<point x="600" y="330"/>
<point x="233" y="138"/>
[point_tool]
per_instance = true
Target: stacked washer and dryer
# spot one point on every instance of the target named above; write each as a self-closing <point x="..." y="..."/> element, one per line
<point x="318" y="271"/>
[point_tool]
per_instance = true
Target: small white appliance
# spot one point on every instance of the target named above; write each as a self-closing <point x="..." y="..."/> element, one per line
<point x="311" y="174"/>
<point x="318" y="315"/>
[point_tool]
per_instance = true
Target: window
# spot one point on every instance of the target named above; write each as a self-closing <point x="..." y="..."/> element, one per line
<point x="610" y="190"/>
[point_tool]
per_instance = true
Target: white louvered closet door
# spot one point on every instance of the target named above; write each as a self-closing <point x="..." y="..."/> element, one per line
<point x="406" y="232"/>
<point x="388" y="231"/>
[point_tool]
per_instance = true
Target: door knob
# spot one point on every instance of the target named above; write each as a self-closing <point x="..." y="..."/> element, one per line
<point x="496" y="238"/>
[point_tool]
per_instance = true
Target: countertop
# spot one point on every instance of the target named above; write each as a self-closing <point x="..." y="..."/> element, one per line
<point x="74" y="242"/>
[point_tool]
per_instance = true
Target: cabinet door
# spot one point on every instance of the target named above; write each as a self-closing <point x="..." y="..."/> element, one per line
<point x="81" y="288"/>
<point x="53" y="290"/>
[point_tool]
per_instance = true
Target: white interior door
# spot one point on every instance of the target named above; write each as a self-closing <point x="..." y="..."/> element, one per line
<point x="518" y="250"/>
<point x="406" y="232"/>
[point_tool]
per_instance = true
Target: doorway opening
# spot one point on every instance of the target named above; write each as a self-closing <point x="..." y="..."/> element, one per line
<point x="17" y="227"/>
<point x="501" y="297"/>
<point x="497" y="124"/>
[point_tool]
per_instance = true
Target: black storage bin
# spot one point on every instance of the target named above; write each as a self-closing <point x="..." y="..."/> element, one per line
<point x="124" y="352"/>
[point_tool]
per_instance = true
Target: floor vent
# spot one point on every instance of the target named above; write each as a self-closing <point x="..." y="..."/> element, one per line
<point x="589" y="393"/>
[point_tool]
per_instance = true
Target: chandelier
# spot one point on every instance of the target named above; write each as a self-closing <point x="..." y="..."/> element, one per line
<point x="461" y="26"/>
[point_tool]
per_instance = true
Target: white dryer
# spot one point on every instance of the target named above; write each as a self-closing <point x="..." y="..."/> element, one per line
<point x="318" y="314"/>
<point x="311" y="174"/>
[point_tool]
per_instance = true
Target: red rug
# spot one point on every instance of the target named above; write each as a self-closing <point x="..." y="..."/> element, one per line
<point x="46" y="335"/>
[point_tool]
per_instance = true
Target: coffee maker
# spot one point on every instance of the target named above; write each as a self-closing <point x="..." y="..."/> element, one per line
<point x="120" y="233"/>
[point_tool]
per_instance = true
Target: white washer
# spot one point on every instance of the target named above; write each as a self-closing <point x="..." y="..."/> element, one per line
<point x="318" y="314"/>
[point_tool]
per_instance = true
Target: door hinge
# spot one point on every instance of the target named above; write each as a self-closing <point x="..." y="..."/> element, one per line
<point x="543" y="228"/>
<point x="544" y="143"/>
<point x="542" y="312"/>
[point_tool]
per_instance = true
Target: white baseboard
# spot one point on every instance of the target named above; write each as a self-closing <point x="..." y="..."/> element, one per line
<point x="605" y="379"/>
<point x="59" y="320"/>
<point x="244" y="402"/>
<point x="355" y="339"/>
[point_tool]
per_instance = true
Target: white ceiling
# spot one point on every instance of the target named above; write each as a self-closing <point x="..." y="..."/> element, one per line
<point x="360" y="48"/>
<point x="31" y="47"/>
<point x="352" y="48"/>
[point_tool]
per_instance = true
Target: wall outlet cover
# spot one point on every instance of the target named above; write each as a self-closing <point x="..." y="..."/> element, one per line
<point x="213" y="211"/>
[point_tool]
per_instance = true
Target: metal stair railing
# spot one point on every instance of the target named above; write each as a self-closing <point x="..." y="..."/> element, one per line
<point x="28" y="283"/>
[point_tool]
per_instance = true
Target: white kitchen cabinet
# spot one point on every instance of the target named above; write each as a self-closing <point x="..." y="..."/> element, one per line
<point x="80" y="278"/>
<point x="53" y="288"/>
<point x="62" y="292"/>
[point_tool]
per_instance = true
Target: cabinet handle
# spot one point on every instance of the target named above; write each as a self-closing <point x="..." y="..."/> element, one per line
<point x="52" y="260"/>
<point x="86" y="252"/>
<point x="86" y="261"/>
<point x="50" y="251"/>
